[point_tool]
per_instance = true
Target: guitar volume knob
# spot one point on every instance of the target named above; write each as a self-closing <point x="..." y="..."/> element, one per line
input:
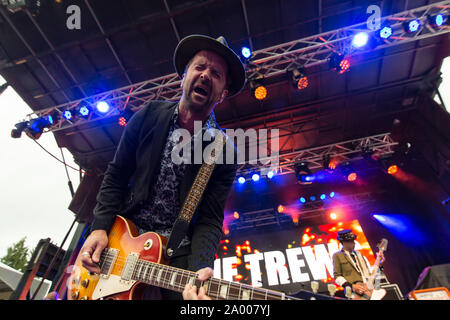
<point x="75" y="295"/>
<point x="84" y="283"/>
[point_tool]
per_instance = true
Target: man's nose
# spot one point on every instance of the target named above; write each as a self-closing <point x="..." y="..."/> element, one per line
<point x="205" y="76"/>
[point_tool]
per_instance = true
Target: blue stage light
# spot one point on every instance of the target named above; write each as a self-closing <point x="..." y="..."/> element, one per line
<point x="102" y="107"/>
<point x="241" y="180"/>
<point x="84" y="111"/>
<point x="323" y="196"/>
<point x="302" y="200"/>
<point x="413" y="25"/>
<point x="439" y="19"/>
<point x="331" y="194"/>
<point x="255" y="177"/>
<point x="67" y="115"/>
<point x="403" y="226"/>
<point x="312" y="198"/>
<point x="385" y="32"/>
<point x="246" y="52"/>
<point x="270" y="174"/>
<point x="360" y="39"/>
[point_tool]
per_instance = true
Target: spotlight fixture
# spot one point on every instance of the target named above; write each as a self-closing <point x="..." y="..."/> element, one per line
<point x="257" y="88"/>
<point x="392" y="169"/>
<point x="124" y="117"/>
<point x="339" y="63"/>
<point x="246" y="53"/>
<point x="67" y="115"/>
<point x="360" y="39"/>
<point x="241" y="180"/>
<point x="437" y="20"/>
<point x="348" y="172"/>
<point x="20" y="127"/>
<point x="412" y="26"/>
<point x="84" y="111"/>
<point x="102" y="107"/>
<point x="298" y="79"/>
<point x="385" y="32"/>
<point x="270" y="174"/>
<point x="255" y="177"/>
<point x="37" y="126"/>
<point x="303" y="173"/>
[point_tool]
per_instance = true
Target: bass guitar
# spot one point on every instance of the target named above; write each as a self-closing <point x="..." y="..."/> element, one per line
<point x="131" y="262"/>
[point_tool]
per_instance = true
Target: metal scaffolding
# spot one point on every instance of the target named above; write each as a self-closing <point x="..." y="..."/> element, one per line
<point x="268" y="62"/>
<point x="382" y="145"/>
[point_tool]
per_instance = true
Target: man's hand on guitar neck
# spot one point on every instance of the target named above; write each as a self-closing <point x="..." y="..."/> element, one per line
<point x="190" y="292"/>
<point x="92" y="249"/>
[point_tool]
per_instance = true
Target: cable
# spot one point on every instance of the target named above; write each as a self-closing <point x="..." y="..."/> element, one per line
<point x="63" y="162"/>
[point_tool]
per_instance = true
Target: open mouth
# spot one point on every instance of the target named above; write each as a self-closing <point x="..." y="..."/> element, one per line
<point x="201" y="91"/>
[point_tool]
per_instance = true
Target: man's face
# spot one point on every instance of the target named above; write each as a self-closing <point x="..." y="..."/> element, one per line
<point x="348" y="245"/>
<point x="204" y="83"/>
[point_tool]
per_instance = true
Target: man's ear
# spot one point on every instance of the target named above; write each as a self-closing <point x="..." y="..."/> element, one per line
<point x="182" y="80"/>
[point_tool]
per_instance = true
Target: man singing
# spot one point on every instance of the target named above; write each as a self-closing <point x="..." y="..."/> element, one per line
<point x="210" y="72"/>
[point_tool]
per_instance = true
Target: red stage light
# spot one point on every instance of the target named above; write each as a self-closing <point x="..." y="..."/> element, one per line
<point x="332" y="164"/>
<point x="302" y="83"/>
<point x="352" y="176"/>
<point x="260" y="92"/>
<point x="344" y="66"/>
<point x="236" y="215"/>
<point x="122" y="121"/>
<point x="280" y="208"/>
<point x="392" y="169"/>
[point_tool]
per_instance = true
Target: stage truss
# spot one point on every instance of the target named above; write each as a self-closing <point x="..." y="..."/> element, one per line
<point x="379" y="146"/>
<point x="268" y="62"/>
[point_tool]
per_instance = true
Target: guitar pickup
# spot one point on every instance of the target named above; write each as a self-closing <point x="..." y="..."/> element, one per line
<point x="129" y="267"/>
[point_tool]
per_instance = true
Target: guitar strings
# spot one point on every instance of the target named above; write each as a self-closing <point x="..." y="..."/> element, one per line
<point x="166" y="270"/>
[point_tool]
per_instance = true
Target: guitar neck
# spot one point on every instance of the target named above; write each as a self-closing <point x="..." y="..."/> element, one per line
<point x="175" y="279"/>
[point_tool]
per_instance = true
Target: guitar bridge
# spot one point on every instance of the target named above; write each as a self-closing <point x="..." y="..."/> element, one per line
<point x="108" y="262"/>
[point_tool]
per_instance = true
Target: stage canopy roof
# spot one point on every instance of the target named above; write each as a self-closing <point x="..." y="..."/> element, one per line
<point x="122" y="43"/>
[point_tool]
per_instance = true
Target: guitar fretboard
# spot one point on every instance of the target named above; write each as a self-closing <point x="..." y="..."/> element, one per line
<point x="176" y="279"/>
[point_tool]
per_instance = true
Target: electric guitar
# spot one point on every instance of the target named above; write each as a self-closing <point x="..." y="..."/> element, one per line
<point x="131" y="262"/>
<point x="371" y="292"/>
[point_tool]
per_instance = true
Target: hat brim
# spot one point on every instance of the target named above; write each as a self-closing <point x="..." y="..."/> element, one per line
<point x="190" y="45"/>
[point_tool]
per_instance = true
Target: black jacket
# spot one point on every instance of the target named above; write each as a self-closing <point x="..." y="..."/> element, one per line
<point x="137" y="159"/>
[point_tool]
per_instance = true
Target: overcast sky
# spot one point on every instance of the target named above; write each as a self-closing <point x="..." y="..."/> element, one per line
<point x="33" y="186"/>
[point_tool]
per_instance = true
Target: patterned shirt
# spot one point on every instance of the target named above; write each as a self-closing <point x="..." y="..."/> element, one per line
<point x="164" y="204"/>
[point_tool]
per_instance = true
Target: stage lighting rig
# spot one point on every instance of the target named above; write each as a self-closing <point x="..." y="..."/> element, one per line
<point x="257" y="88"/>
<point x="297" y="78"/>
<point x="20" y="127"/>
<point x="436" y="21"/>
<point x="37" y="126"/>
<point x="339" y="63"/>
<point x="303" y="173"/>
<point x="16" y="5"/>
<point x="246" y="54"/>
<point x="348" y="172"/>
<point x="412" y="26"/>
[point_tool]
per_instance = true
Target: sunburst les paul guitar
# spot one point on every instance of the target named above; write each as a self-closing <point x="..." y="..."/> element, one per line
<point x="131" y="262"/>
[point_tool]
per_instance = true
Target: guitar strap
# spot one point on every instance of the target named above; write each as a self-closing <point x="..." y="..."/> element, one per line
<point x="181" y="225"/>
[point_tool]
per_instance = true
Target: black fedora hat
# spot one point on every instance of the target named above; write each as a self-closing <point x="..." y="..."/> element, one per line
<point x="190" y="45"/>
<point x="346" y="235"/>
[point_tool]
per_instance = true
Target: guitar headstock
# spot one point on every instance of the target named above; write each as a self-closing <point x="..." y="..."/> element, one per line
<point x="382" y="246"/>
